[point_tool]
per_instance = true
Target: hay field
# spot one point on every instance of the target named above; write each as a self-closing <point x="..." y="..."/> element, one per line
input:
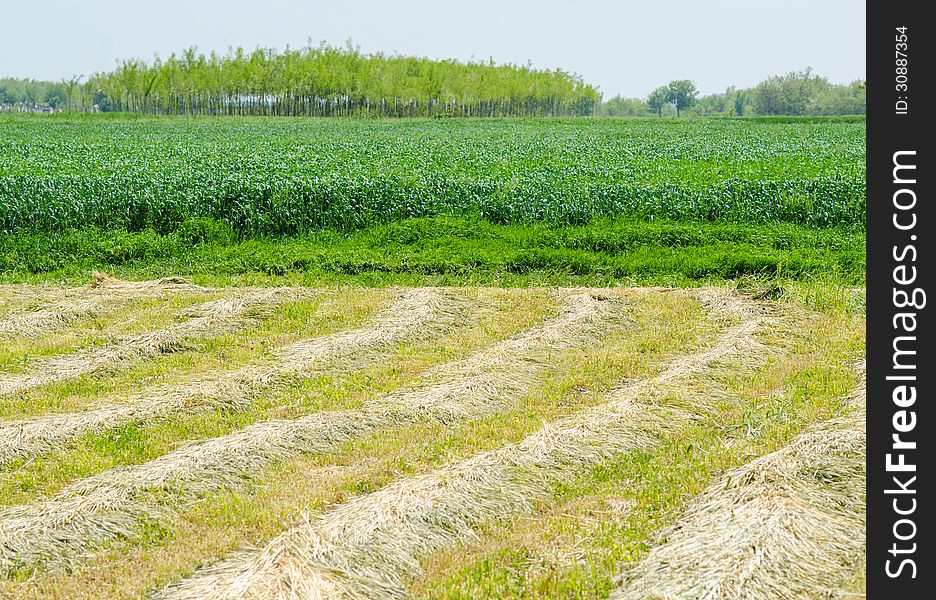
<point x="162" y="439"/>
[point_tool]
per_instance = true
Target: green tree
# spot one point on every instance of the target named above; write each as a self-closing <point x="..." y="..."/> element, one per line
<point x="30" y="92"/>
<point x="682" y="93"/>
<point x="657" y="99"/>
<point x="330" y="81"/>
<point x="740" y="100"/>
<point x="796" y="93"/>
<point x="841" y="100"/>
<point x="624" y="107"/>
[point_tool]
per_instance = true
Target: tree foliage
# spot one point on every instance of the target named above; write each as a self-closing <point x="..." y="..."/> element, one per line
<point x="682" y="94"/>
<point x="619" y="106"/>
<point x="657" y="99"/>
<point x="29" y="92"/>
<point x="790" y="94"/>
<point x="804" y="93"/>
<point x="798" y="93"/>
<point x="330" y="81"/>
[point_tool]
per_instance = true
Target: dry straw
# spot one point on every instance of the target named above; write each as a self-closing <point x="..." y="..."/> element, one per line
<point x="106" y="294"/>
<point x="147" y="287"/>
<point x="116" y="503"/>
<point x="57" y="316"/>
<point x="211" y="318"/>
<point x="789" y="524"/>
<point x="366" y="547"/>
<point x="100" y="283"/>
<point x="414" y="313"/>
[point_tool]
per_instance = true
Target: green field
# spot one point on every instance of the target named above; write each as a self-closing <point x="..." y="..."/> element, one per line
<point x="549" y="200"/>
<point x="528" y="359"/>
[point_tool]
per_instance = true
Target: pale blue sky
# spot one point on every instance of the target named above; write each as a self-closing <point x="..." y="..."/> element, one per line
<point x="623" y="47"/>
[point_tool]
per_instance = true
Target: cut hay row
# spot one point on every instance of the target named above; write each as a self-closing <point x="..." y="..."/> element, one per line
<point x="106" y="282"/>
<point x="790" y="524"/>
<point x="417" y="313"/>
<point x="486" y="380"/>
<point x="365" y="548"/>
<point x="57" y="316"/>
<point x="213" y="318"/>
<point x="115" y="504"/>
<point x="105" y="295"/>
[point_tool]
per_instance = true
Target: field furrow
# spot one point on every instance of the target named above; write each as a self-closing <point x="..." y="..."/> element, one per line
<point x="366" y="547"/>
<point x="788" y="525"/>
<point x="117" y="503"/>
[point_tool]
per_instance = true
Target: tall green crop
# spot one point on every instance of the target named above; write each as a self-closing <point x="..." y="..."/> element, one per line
<point x="278" y="177"/>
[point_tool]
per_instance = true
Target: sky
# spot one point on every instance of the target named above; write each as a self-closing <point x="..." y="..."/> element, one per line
<point x="625" y="47"/>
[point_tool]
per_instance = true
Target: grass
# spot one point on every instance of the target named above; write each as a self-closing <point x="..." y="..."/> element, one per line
<point x="570" y="546"/>
<point x="141" y="441"/>
<point x="451" y="251"/>
<point x="228" y="517"/>
<point x="485" y="204"/>
<point x="330" y="311"/>
<point x="16" y="353"/>
<point x="112" y="504"/>
<point x="574" y="544"/>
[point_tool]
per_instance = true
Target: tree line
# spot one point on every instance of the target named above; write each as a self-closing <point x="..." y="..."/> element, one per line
<point x="797" y="93"/>
<point x="327" y="81"/>
<point x="333" y="81"/>
<point x="29" y="93"/>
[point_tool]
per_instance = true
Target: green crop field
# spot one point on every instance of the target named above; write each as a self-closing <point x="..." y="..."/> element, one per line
<point x="284" y="178"/>
<point x="441" y="358"/>
<point x="592" y="199"/>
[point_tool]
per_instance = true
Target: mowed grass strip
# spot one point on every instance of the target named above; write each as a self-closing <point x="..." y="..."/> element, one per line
<point x="366" y="547"/>
<point x="666" y="323"/>
<point x="415" y="313"/>
<point x="23" y="298"/>
<point x="576" y="540"/>
<point x="131" y="317"/>
<point x="56" y="316"/>
<point x="105" y="295"/>
<point x="209" y="319"/>
<point x="113" y="504"/>
<point x="323" y="314"/>
<point x="789" y="524"/>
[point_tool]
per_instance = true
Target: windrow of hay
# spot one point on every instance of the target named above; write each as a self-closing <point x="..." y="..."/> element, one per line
<point x="415" y="314"/>
<point x="790" y="524"/>
<point x="118" y="503"/>
<point x="366" y="547"/>
<point x="59" y="315"/>
<point x="100" y="284"/>
<point x="212" y="318"/>
<point x="483" y="381"/>
<point x="105" y="295"/>
<point x="105" y="281"/>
